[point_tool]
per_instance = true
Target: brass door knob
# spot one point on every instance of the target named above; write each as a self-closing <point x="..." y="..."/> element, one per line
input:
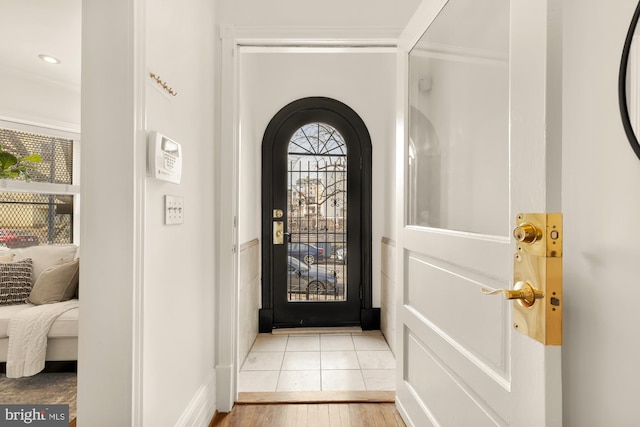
<point x="522" y="291"/>
<point x="527" y="233"/>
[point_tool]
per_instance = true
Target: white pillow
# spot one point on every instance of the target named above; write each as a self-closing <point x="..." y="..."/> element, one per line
<point x="45" y="256"/>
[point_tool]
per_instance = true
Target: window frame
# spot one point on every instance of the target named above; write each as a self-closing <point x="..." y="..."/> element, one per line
<point x="23" y="187"/>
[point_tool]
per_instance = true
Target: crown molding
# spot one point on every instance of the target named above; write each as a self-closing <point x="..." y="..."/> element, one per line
<point x="310" y="36"/>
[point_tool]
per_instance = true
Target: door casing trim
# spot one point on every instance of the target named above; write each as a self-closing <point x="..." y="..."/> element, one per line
<point x="227" y="142"/>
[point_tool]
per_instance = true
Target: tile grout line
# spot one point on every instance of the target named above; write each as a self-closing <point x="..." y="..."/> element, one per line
<point x="320" y="368"/>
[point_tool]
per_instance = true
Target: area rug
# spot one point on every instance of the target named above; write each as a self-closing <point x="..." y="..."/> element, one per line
<point x="41" y="389"/>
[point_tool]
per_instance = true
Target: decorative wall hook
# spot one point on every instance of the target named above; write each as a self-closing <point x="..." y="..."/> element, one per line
<point x="163" y="84"/>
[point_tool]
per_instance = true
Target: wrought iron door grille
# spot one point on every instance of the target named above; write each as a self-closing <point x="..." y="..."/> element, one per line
<point x="317" y="214"/>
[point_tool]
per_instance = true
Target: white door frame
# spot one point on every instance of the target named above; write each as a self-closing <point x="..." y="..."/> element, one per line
<point x="232" y="38"/>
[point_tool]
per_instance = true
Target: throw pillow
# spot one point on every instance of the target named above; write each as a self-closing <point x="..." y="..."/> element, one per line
<point x="45" y="256"/>
<point x="7" y="258"/>
<point x="56" y="284"/>
<point x="15" y="282"/>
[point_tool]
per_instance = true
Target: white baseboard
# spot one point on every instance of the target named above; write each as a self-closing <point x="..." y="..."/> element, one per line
<point x="202" y="407"/>
<point x="225" y="388"/>
<point x="403" y="414"/>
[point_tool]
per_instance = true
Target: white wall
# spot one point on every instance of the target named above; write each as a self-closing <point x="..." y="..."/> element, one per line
<point x="328" y="13"/>
<point x="363" y="81"/>
<point x="601" y="202"/>
<point x="109" y="231"/>
<point x="151" y="284"/>
<point x="179" y="259"/>
<point x="35" y="100"/>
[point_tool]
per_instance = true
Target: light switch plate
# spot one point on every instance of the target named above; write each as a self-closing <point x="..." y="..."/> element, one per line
<point x="173" y="210"/>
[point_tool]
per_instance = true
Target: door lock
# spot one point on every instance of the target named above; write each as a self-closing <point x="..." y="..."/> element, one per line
<point x="527" y="233"/>
<point x="522" y="291"/>
<point x="537" y="274"/>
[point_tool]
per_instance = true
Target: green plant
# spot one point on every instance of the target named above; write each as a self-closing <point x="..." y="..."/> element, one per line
<point x="12" y="167"/>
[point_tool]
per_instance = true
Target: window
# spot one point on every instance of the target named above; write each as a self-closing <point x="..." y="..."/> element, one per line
<point x="43" y="210"/>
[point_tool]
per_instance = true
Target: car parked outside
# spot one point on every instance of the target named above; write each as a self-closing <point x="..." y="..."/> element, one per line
<point x="305" y="252"/>
<point x="17" y="239"/>
<point x="341" y="255"/>
<point x="302" y="278"/>
<point x="5" y="237"/>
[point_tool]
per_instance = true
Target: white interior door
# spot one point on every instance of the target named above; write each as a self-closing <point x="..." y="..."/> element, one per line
<point x="478" y="142"/>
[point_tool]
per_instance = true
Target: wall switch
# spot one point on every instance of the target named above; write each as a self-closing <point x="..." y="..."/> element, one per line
<point x="173" y="210"/>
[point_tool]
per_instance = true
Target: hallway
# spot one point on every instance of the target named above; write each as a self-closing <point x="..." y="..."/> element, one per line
<point x="354" y="361"/>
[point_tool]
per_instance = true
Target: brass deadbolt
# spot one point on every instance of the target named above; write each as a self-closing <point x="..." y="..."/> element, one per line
<point x="527" y="233"/>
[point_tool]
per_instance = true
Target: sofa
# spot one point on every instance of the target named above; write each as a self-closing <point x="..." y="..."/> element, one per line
<point x="62" y="338"/>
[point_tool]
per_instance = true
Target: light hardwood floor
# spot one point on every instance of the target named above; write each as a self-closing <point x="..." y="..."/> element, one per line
<point x="311" y="415"/>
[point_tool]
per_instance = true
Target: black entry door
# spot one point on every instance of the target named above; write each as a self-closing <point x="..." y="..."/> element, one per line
<point x="313" y="217"/>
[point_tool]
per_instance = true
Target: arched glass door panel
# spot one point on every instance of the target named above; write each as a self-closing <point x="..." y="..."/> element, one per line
<point x="317" y="214"/>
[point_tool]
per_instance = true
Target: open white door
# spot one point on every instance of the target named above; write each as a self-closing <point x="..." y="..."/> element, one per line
<point x="478" y="142"/>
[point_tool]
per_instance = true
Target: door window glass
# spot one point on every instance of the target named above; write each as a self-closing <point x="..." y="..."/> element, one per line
<point x="458" y="153"/>
<point x="317" y="214"/>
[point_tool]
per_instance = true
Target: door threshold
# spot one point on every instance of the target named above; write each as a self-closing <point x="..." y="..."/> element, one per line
<point x="311" y="330"/>
<point x="245" y="398"/>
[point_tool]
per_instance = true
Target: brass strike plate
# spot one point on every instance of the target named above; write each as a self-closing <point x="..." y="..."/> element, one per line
<point x="539" y="263"/>
<point x="278" y="232"/>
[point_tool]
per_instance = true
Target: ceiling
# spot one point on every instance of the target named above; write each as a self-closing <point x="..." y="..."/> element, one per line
<point x="32" y="27"/>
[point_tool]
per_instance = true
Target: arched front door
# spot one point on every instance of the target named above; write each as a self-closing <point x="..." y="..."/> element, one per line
<point x="316" y="219"/>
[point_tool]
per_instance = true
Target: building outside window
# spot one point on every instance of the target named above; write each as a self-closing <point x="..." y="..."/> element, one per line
<point x="45" y="209"/>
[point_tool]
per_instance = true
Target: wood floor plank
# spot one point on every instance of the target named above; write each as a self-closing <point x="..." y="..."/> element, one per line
<point x="248" y="415"/>
<point x="398" y="418"/>
<point x="219" y="419"/>
<point x="390" y="412"/>
<point x="334" y="415"/>
<point x="279" y="415"/>
<point x="311" y="415"/>
<point x="234" y="416"/>
<point x="359" y="415"/>
<point x="291" y="415"/>
<point x="345" y="415"/>
<point x="266" y="417"/>
<point x="323" y="415"/>
<point x="378" y="415"/>
<point x="302" y="417"/>
<point x="318" y="415"/>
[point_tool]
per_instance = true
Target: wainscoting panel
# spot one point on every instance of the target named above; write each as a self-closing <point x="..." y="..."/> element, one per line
<point x="388" y="291"/>
<point x="249" y="303"/>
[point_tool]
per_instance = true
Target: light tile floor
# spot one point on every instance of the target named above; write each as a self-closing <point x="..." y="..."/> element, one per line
<point x="315" y="362"/>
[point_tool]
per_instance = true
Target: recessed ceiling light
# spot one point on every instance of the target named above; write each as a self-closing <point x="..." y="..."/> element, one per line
<point x="50" y="59"/>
